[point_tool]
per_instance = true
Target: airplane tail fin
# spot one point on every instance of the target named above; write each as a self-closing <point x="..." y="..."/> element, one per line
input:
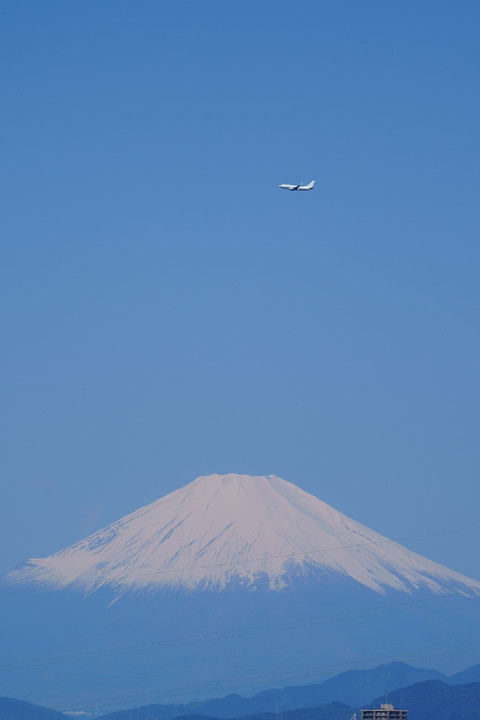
<point x="307" y="187"/>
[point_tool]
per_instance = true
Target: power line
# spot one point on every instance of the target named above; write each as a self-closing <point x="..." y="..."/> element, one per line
<point x="295" y="624"/>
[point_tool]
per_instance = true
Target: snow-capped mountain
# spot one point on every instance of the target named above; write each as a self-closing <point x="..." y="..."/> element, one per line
<point x="235" y="579"/>
<point x="224" y="530"/>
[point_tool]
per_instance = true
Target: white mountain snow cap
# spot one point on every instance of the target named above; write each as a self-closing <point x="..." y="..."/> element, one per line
<point x="223" y="529"/>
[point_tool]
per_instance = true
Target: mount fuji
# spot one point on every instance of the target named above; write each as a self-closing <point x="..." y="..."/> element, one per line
<point x="237" y="530"/>
<point x="231" y="582"/>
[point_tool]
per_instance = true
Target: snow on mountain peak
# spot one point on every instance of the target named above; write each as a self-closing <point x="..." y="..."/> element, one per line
<point x="225" y="529"/>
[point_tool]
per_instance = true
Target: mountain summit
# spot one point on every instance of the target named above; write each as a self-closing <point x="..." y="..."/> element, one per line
<point x="237" y="530"/>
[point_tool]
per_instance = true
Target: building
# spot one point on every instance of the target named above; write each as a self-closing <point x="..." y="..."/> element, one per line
<point x="384" y="712"/>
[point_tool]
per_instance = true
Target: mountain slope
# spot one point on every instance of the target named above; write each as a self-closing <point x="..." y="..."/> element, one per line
<point x="237" y="530"/>
<point x="12" y="709"/>
<point x="435" y="700"/>
<point x="471" y="675"/>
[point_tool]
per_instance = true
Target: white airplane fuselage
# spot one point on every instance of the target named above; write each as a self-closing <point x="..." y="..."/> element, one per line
<point x="298" y="187"/>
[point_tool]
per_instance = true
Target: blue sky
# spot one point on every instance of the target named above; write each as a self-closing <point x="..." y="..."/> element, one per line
<point x="167" y="311"/>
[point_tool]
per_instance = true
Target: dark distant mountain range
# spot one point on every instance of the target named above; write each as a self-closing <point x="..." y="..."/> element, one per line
<point x="353" y="688"/>
<point x="428" y="700"/>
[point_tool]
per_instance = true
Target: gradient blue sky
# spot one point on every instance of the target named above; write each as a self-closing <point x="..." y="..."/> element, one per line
<point x="167" y="311"/>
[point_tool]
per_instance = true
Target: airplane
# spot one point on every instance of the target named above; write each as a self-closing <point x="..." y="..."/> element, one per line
<point x="298" y="187"/>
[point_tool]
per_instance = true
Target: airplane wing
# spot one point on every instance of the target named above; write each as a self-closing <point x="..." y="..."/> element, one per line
<point x="289" y="187"/>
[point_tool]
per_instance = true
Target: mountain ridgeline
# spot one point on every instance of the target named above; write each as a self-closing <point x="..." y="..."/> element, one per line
<point x="237" y="530"/>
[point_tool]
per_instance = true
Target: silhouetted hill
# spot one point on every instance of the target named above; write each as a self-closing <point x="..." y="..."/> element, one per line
<point x="11" y="709"/>
<point x="471" y="675"/>
<point x="435" y="700"/>
<point x="353" y="687"/>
